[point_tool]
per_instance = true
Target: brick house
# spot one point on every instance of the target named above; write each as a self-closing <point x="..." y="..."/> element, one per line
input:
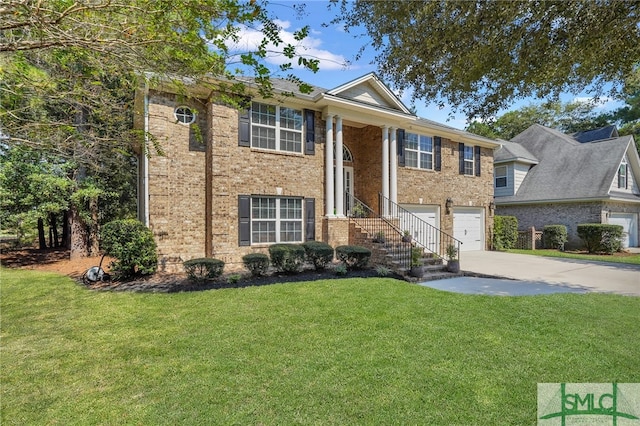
<point x="545" y="177"/>
<point x="293" y="168"/>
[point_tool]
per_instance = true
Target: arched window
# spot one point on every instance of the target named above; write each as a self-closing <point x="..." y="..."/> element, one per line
<point x="347" y="157"/>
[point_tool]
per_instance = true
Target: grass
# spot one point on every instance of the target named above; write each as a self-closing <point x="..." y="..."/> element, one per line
<point x="633" y="259"/>
<point x="350" y="351"/>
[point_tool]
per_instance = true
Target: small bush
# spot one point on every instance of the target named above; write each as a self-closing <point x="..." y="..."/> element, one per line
<point x="318" y="253"/>
<point x="505" y="232"/>
<point x="554" y="236"/>
<point x="132" y="245"/>
<point x="203" y="269"/>
<point x="340" y="269"/>
<point x="287" y="258"/>
<point x="234" y="279"/>
<point x="601" y="237"/>
<point x="354" y="257"/>
<point x="383" y="271"/>
<point x="256" y="263"/>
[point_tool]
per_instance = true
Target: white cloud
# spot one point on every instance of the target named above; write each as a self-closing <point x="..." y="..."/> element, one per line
<point x="604" y="102"/>
<point x="310" y="47"/>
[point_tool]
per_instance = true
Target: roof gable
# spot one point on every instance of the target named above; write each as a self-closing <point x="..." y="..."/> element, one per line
<point x="369" y="89"/>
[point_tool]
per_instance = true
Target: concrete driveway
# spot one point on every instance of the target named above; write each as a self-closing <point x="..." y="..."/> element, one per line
<point x="537" y="275"/>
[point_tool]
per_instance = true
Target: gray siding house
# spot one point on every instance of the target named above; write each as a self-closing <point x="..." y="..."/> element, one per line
<point x="545" y="177"/>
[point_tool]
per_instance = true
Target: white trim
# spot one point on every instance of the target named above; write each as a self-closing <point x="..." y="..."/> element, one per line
<point x="328" y="168"/>
<point x="339" y="185"/>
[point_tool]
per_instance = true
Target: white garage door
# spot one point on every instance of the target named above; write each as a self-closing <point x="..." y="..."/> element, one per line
<point x="629" y="223"/>
<point x="429" y="236"/>
<point x="468" y="227"/>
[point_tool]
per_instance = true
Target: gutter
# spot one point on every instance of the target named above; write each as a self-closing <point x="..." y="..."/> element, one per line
<point x="145" y="157"/>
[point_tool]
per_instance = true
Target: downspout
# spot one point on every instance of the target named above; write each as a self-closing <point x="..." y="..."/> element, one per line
<point x="145" y="156"/>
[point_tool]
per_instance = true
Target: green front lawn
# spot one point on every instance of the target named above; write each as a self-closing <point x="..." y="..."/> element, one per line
<point x="633" y="259"/>
<point x="351" y="351"/>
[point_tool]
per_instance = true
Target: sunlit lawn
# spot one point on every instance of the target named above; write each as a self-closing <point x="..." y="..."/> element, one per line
<point x="633" y="259"/>
<point x="351" y="351"/>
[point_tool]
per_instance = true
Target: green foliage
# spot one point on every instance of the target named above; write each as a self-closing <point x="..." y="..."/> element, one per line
<point x="340" y="269"/>
<point x="481" y="56"/>
<point x="256" y="263"/>
<point x="554" y="236"/>
<point x="287" y="258"/>
<point x="132" y="245"/>
<point x="353" y="257"/>
<point x="203" y="269"/>
<point x="601" y="237"/>
<point x="505" y="232"/>
<point x="318" y="253"/>
<point x="383" y="271"/>
<point x="234" y="278"/>
<point x="452" y="252"/>
<point x="416" y="255"/>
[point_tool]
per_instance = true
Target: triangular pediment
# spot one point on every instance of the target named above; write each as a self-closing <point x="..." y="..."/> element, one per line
<point x="370" y="90"/>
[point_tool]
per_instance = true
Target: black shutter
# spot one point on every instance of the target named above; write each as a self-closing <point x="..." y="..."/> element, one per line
<point x="244" y="220"/>
<point x="437" y="153"/>
<point x="310" y="126"/>
<point x="477" y="157"/>
<point x="244" y="126"/>
<point x="461" y="153"/>
<point x="400" y="140"/>
<point x="310" y="218"/>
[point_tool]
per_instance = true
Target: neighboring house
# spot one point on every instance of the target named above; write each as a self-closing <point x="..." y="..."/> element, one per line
<point x="279" y="170"/>
<point x="544" y="177"/>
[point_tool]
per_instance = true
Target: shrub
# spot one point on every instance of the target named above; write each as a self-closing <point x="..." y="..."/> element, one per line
<point x="601" y="237"/>
<point x="318" y="253"/>
<point x="132" y="245"/>
<point x="505" y="232"/>
<point x="287" y="258"/>
<point x="203" y="269"/>
<point x="354" y="257"/>
<point x="554" y="236"/>
<point x="256" y="263"/>
<point x="340" y="269"/>
<point x="383" y="271"/>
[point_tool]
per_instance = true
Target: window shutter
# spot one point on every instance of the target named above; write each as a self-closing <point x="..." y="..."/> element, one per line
<point x="437" y="153"/>
<point x="310" y="219"/>
<point x="477" y="157"/>
<point x="310" y="126"/>
<point x="244" y="126"/>
<point x="244" y="220"/>
<point x="400" y="140"/>
<point x="461" y="153"/>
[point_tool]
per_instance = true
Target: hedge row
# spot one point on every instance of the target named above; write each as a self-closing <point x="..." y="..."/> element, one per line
<point x="601" y="237"/>
<point x="505" y="232"/>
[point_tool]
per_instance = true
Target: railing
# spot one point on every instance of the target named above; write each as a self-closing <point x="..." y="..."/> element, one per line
<point x="382" y="230"/>
<point x="423" y="234"/>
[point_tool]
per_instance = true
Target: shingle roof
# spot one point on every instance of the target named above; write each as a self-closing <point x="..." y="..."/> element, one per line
<point x="567" y="169"/>
<point x="510" y="151"/>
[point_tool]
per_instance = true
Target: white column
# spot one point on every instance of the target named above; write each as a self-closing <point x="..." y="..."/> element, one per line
<point x="393" y="175"/>
<point x="385" y="169"/>
<point x="328" y="168"/>
<point x="339" y="189"/>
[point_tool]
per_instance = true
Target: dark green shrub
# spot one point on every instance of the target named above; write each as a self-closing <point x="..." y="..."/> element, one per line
<point x="287" y="258"/>
<point x="554" y="236"/>
<point x="132" y="245"/>
<point x="354" y="257"/>
<point x="601" y="237"/>
<point x="318" y="253"/>
<point x="203" y="269"/>
<point x="505" y="232"/>
<point x="256" y="263"/>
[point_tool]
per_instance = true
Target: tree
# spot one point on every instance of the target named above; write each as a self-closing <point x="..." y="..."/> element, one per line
<point x="628" y="116"/>
<point x="68" y="71"/>
<point x="567" y="117"/>
<point x="481" y="55"/>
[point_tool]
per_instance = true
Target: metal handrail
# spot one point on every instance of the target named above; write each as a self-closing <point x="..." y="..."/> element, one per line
<point x="423" y="234"/>
<point x="381" y="230"/>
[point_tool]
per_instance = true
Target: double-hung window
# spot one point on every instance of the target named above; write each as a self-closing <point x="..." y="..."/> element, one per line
<point x="623" y="171"/>
<point x="276" y="127"/>
<point x="500" y="176"/>
<point x="276" y="220"/>
<point x="418" y="151"/>
<point x="468" y="160"/>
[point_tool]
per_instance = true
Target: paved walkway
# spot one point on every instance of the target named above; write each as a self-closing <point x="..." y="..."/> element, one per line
<point x="537" y="275"/>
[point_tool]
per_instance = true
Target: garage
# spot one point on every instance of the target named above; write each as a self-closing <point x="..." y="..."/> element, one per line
<point x="629" y="223"/>
<point x="468" y="227"/>
<point x="425" y="234"/>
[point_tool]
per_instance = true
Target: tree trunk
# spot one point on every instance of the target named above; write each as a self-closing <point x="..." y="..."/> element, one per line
<point x="42" y="241"/>
<point x="94" y="247"/>
<point x="53" y="223"/>
<point x="79" y="235"/>
<point x="66" y="235"/>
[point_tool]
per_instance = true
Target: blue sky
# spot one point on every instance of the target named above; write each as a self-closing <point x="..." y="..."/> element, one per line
<point x="336" y="51"/>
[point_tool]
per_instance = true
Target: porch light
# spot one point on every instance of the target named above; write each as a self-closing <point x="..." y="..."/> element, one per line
<point x="492" y="207"/>
<point x="448" y="204"/>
